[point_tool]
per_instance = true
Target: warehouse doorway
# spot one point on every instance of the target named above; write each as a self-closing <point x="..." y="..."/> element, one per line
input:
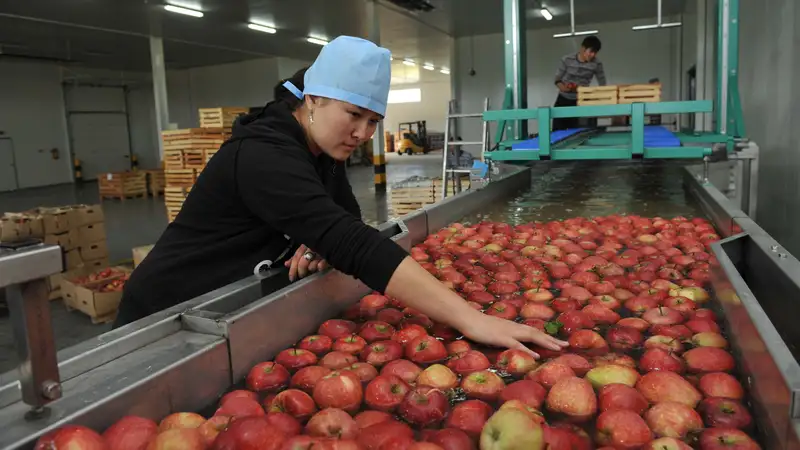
<point x="97" y="117"/>
<point x="8" y="166"/>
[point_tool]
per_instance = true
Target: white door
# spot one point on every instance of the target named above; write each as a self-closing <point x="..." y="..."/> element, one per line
<point x="98" y="128"/>
<point x="8" y="171"/>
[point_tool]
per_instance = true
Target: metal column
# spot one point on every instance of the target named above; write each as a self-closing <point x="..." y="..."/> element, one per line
<point x="159" y="88"/>
<point x="378" y="150"/>
<point x="729" y="116"/>
<point x="514" y="33"/>
<point x="706" y="24"/>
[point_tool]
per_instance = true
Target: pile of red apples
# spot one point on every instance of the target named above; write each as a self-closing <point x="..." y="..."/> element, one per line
<point x="647" y="366"/>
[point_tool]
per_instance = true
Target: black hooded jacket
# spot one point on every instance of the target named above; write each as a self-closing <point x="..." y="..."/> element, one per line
<point x="263" y="185"/>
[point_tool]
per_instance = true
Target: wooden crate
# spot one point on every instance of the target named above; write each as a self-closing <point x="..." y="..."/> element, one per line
<point x="220" y="117"/>
<point x="155" y="182"/>
<point x="180" y="177"/>
<point x="413" y="194"/>
<point x="122" y="185"/>
<point x="597" y="95"/>
<point x="173" y="199"/>
<point x="640" y="93"/>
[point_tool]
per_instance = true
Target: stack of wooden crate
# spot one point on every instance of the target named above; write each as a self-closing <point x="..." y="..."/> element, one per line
<point x="156" y="181"/>
<point x="122" y="185"/>
<point x="619" y="94"/>
<point x="640" y="93"/>
<point x="416" y="192"/>
<point x="220" y="117"/>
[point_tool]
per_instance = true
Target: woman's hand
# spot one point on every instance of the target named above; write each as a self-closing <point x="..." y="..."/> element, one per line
<point x="300" y="267"/>
<point x="507" y="334"/>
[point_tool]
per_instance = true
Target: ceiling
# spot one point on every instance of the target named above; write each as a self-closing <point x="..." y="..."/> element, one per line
<point x="112" y="34"/>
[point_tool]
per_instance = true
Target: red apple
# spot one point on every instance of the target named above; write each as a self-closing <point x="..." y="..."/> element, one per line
<point x="667" y="444"/>
<point x="294" y="359"/>
<point x="623" y="295"/>
<point x="563" y="304"/>
<point x="181" y="420"/>
<point x="402" y="368"/>
<point x="424" y="406"/>
<point x="676" y="420"/>
<point x="425" y="350"/>
<point x="550" y="373"/>
<point x="482" y="298"/>
<point x="284" y="422"/>
<point x="339" y="390"/>
<point x="338" y="360"/>
<point x="391" y="316"/>
<point x="182" y="438"/>
<point x="579" y="293"/>
<point x="306" y="378"/>
<point x="577" y="363"/>
<point x="588" y="342"/>
<point x="332" y="423"/>
<point x="611" y="374"/>
<point x="669" y="344"/>
<point x="237" y="394"/>
<point x="666" y="386"/>
<point x="482" y="385"/>
<point x="708" y="359"/>
<point x="639" y="305"/>
<point x="533" y="310"/>
<point x="709" y="339"/>
<point x="209" y="430"/>
<point x="336" y="444"/>
<point x="468" y="362"/>
<point x="659" y="359"/>
<point x="622" y="428"/>
<point x="267" y="377"/>
<point x="724" y="413"/>
<point x="614" y="359"/>
<point x="240" y="407"/>
<point x="719" y="384"/>
<point x="529" y="392"/>
<point x="662" y="316"/>
<point x="702" y="325"/>
<point x="337" y="328"/>
<point x="574" y="398"/>
<point x="456" y="347"/>
<point x="704" y="313"/>
<point x="381" y="352"/>
<point x="376" y="331"/>
<point x="130" y="433"/>
<point x="635" y="323"/>
<point x="600" y="314"/>
<point x="575" y="320"/>
<point x="621" y="396"/>
<point x="502" y="309"/>
<point x="350" y="344"/>
<point x="723" y="438"/>
<point x="249" y="433"/>
<point x="623" y="338"/>
<point x="680" y="304"/>
<point x="673" y="331"/>
<point x="439" y="377"/>
<point x="451" y="439"/>
<point x="385" y="392"/>
<point x="294" y="402"/>
<point x="317" y="344"/>
<point x="511" y="429"/>
<point x="605" y="300"/>
<point x="469" y="416"/>
<point x="370" y="417"/>
<point x="364" y="371"/>
<point x="515" y="362"/>
<point x="369" y="305"/>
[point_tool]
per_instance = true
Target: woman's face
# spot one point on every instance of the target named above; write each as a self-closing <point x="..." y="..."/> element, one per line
<point x="340" y="127"/>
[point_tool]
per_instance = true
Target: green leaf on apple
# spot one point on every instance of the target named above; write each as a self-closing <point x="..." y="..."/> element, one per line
<point x="552" y="328"/>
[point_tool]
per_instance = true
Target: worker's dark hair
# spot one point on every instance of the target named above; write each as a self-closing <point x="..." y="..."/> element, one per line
<point x="592" y="43"/>
<point x="281" y="93"/>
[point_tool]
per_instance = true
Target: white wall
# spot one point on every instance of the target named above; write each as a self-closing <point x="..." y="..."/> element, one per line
<point x="435" y="95"/>
<point x="288" y="67"/>
<point x="627" y="56"/>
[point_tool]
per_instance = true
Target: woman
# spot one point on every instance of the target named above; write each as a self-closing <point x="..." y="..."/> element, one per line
<point x="280" y="182"/>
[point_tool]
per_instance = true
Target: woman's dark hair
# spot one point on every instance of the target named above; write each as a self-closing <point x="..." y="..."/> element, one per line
<point x="285" y="95"/>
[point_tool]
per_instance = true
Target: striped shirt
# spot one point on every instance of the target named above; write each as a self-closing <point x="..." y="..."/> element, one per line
<point x="572" y="70"/>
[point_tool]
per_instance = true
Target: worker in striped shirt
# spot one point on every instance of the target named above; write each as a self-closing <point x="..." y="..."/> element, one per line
<point x="577" y="69"/>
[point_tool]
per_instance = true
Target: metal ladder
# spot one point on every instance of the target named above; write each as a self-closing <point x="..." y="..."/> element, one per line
<point x="449" y="174"/>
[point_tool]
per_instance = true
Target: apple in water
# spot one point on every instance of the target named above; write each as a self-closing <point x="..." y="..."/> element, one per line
<point x="332" y="423"/>
<point x="503" y="310"/>
<point x="208" y="430"/>
<point x="636" y="323"/>
<point x="660" y="359"/>
<point x="364" y="371"/>
<point x="468" y="362"/>
<point x="469" y="416"/>
<point x="294" y="359"/>
<point x="719" y="384"/>
<point x="450" y="439"/>
<point x="663" y="315"/>
<point x="610" y="374"/>
<point x="439" y="377"/>
<point x="424" y="406"/>
<point x="726" y="438"/>
<point x="695" y="294"/>
<point x="667" y="343"/>
<point x="237" y="394"/>
<point x="341" y="389"/>
<point x="666" y="443"/>
<point x="385" y="392"/>
<point x="588" y="342"/>
<point x="702" y="325"/>
<point x="600" y="314"/>
<point x="402" y="368"/>
<point x="615" y="359"/>
<point x="550" y="373"/>
<point x="306" y="378"/>
<point x="703" y="313"/>
<point x="680" y="304"/>
<point x="317" y="344"/>
<point x="670" y="419"/>
<point x="337" y="328"/>
<point x="375" y="330"/>
<point x="183" y="438"/>
<point x="708" y="359"/>
<point x="483" y="385"/>
<point x="391" y="316"/>
<point x="573" y="397"/>
<point x="512" y="429"/>
<point x="623" y="338"/>
<point x="284" y="422"/>
<point x="249" y="433"/>
<point x="267" y="377"/>
<point x="425" y="350"/>
<point x="673" y="331"/>
<point x="338" y="360"/>
<point x="724" y="413"/>
<point x="381" y="352"/>
<point x="370" y="417"/>
<point x="709" y="339"/>
<point x="533" y="310"/>
<point x="240" y="407"/>
<point x="515" y="362"/>
<point x="131" y="433"/>
<point x="294" y="402"/>
<point x="657" y="387"/>
<point x="621" y="428"/>
<point x="528" y="392"/>
<point x="180" y="420"/>
<point x="408" y="333"/>
<point x="621" y="396"/>
<point x="350" y="344"/>
<point x="639" y="305"/>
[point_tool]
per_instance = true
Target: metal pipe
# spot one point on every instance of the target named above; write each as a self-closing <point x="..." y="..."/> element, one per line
<point x="485" y="135"/>
<point x="746" y="168"/>
<point x="706" y="168"/>
<point x="446" y="150"/>
<point x="572" y="16"/>
<point x="659" y="13"/>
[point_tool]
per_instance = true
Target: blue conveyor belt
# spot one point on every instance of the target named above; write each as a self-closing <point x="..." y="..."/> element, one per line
<point x="654" y="136"/>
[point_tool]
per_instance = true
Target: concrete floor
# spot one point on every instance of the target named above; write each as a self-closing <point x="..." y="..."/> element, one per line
<point x="137" y="222"/>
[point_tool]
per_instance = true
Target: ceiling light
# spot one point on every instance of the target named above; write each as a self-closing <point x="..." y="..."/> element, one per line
<point x="318" y="41"/>
<point x="184" y="11"/>
<point x="262" y="28"/>
<point x="409" y="62"/>
<point x="656" y="26"/>
<point x="546" y="14"/>
<point x="445" y="71"/>
<point x="576" y="33"/>
<point x="428" y="66"/>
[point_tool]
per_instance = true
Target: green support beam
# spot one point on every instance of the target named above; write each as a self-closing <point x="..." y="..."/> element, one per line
<point x="729" y="117"/>
<point x="516" y="82"/>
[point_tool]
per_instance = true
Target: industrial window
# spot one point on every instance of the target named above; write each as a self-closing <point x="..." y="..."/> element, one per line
<point x="405" y="95"/>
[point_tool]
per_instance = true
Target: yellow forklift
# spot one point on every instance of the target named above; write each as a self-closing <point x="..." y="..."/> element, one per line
<point x="412" y="138"/>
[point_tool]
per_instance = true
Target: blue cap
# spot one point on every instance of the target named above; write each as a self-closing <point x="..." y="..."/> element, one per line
<point x="351" y="70"/>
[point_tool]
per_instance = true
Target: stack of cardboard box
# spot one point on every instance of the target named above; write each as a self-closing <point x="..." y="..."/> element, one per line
<point x="79" y="230"/>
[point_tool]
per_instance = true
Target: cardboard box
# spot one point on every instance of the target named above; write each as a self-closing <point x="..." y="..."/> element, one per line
<point x="68" y="241"/>
<point x="86" y="215"/>
<point x="85" y="297"/>
<point x="55" y="220"/>
<point x="14" y="229"/>
<point x="94" y="250"/>
<point x="94" y="232"/>
<point x="139" y="254"/>
<point x="72" y="259"/>
<point x="96" y="264"/>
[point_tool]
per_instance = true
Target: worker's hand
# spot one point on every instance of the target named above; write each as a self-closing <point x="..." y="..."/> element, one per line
<point x="499" y="332"/>
<point x="563" y="87"/>
<point x="300" y="267"/>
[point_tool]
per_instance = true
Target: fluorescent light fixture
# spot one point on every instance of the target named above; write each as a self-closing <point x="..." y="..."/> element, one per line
<point x="445" y="71"/>
<point x="409" y="62"/>
<point x="318" y="41"/>
<point x="576" y="33"/>
<point x="184" y="11"/>
<point x="546" y="14"/>
<point x="262" y="28"/>
<point x="656" y="26"/>
<point x="428" y="66"/>
<point x="405" y="96"/>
